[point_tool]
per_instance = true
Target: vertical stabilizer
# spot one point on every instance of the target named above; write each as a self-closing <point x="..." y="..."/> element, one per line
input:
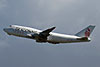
<point x="86" y="32"/>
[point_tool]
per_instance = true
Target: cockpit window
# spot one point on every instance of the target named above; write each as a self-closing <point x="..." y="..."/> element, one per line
<point x="10" y="25"/>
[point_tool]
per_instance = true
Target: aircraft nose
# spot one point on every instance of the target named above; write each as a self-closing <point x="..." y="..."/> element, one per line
<point x="5" y="29"/>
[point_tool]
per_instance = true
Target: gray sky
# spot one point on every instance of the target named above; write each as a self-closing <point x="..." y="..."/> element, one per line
<point x="69" y="16"/>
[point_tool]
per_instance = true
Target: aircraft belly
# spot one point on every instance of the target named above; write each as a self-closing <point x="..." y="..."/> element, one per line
<point x="60" y="39"/>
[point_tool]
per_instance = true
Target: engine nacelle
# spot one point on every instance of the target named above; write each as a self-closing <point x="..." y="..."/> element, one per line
<point x="39" y="38"/>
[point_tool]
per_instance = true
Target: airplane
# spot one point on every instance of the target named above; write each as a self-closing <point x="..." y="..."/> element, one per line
<point x="43" y="36"/>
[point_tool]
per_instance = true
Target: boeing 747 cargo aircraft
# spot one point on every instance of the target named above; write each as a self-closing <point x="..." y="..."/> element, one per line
<point x="43" y="36"/>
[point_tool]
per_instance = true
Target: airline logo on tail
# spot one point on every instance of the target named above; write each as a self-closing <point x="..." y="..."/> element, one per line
<point x="87" y="33"/>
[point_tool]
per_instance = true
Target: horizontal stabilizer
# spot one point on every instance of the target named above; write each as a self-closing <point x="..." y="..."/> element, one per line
<point x="83" y="38"/>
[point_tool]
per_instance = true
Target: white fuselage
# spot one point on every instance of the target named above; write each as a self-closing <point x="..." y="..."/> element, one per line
<point x="26" y="32"/>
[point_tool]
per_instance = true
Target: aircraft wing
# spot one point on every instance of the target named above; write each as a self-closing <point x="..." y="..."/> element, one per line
<point x="41" y="36"/>
<point x="46" y="32"/>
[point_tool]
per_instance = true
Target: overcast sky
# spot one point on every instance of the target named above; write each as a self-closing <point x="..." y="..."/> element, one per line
<point x="69" y="17"/>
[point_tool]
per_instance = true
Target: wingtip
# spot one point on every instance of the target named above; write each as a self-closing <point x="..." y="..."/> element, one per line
<point x="92" y="25"/>
<point x="54" y="27"/>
